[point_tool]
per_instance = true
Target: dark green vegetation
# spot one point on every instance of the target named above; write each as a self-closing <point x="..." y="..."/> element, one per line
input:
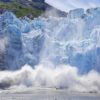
<point x="30" y="8"/>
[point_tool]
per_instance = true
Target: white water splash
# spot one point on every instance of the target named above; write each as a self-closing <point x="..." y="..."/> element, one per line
<point x="62" y="77"/>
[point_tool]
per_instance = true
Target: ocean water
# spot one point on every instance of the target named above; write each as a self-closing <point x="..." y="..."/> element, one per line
<point x="48" y="94"/>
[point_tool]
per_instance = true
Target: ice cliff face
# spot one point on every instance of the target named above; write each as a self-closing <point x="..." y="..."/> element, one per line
<point x="10" y="29"/>
<point x="72" y="40"/>
<point x="22" y="46"/>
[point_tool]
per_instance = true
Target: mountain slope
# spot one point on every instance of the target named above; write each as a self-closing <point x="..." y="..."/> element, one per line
<point x="23" y="7"/>
<point x="30" y="8"/>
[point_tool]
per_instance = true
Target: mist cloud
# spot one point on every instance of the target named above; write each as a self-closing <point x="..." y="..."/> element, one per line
<point x="3" y="43"/>
<point x="63" y="76"/>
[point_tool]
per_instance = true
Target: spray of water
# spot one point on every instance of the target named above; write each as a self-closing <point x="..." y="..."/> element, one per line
<point x="3" y="44"/>
<point x="62" y="77"/>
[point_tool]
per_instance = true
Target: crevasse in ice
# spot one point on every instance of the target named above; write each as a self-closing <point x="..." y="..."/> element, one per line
<point x="73" y="40"/>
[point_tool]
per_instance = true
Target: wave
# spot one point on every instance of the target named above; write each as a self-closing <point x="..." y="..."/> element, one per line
<point x="61" y="77"/>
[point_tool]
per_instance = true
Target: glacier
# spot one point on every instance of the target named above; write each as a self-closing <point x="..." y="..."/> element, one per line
<point x="51" y="42"/>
